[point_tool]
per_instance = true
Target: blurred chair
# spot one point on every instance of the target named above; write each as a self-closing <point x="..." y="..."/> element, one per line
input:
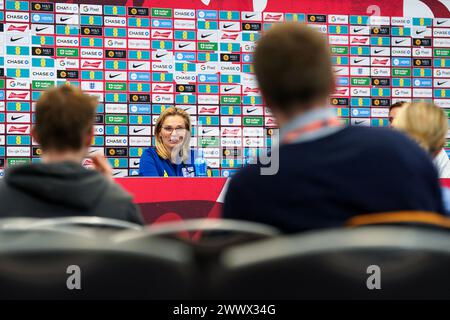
<point x="336" y="264"/>
<point x="94" y="225"/>
<point x="205" y="233"/>
<point x="34" y="264"/>
<point x="206" y="237"/>
<point x="16" y="222"/>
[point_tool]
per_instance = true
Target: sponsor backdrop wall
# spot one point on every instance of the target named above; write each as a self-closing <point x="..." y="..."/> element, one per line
<point x="140" y="57"/>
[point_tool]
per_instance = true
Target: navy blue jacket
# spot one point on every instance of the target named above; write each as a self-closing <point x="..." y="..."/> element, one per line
<point x="324" y="182"/>
<point x="152" y="165"/>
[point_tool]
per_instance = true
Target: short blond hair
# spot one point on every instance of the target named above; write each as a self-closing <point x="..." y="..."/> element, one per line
<point x="160" y="147"/>
<point x="424" y="122"/>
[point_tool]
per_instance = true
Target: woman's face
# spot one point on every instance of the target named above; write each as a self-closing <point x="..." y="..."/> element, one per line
<point x="173" y="131"/>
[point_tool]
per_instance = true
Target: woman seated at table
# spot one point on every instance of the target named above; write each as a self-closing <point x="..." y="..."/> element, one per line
<point x="171" y="156"/>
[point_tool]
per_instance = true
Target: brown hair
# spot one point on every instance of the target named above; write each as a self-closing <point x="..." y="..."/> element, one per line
<point x="160" y="147"/>
<point x="292" y="63"/>
<point x="426" y="123"/>
<point x="398" y="104"/>
<point x="64" y="116"/>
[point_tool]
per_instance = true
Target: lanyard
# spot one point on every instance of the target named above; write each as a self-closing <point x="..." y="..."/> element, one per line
<point x="311" y="127"/>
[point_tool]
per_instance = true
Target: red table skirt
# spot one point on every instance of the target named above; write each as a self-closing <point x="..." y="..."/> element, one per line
<point x="172" y="199"/>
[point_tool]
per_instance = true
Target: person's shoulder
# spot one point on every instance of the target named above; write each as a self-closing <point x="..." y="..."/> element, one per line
<point x="372" y="131"/>
<point x="246" y="174"/>
<point x="4" y="189"/>
<point x="150" y="152"/>
<point x="380" y="137"/>
<point x="115" y="192"/>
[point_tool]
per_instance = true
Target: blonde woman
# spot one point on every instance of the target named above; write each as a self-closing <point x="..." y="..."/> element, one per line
<point x="427" y="124"/>
<point x="171" y="155"/>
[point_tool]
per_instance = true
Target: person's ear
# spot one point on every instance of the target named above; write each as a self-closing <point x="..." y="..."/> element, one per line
<point x="333" y="84"/>
<point x="89" y="138"/>
<point x="34" y="135"/>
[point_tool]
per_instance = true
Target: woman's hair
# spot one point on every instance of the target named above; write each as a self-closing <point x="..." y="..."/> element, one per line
<point x="425" y="123"/>
<point x="160" y="147"/>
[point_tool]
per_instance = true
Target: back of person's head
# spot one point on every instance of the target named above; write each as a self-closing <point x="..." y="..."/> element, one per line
<point x="393" y="109"/>
<point x="292" y="63"/>
<point x="64" y="119"/>
<point x="398" y="104"/>
<point x="425" y="123"/>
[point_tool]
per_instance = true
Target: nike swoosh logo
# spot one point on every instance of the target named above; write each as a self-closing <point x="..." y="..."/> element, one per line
<point x="378" y="51"/>
<point x="228" y="89"/>
<point x="206" y="131"/>
<point x="137" y="65"/>
<point x="16" y="39"/>
<point x="441" y="22"/>
<point x="339" y="70"/>
<point x="65" y="19"/>
<point x="399" y="41"/>
<point x="226" y="26"/>
<point x="16" y="118"/>
<point x="183" y="45"/>
<point x="203" y="36"/>
<point x="420" y="32"/>
<point x="114" y="76"/>
<point x="115" y="174"/>
<point x="41" y="29"/>
<point x="358" y="61"/>
<point x="138" y="130"/>
<point x="136" y="163"/>
<point x="359" y="122"/>
<point x="358" y="30"/>
<point x="248" y="16"/>
<point x="160" y="55"/>
<point x="441" y="83"/>
<point x="252" y="110"/>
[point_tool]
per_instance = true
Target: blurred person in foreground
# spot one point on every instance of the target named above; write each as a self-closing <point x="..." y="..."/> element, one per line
<point x="441" y="160"/>
<point x="327" y="173"/>
<point x="426" y="124"/>
<point x="59" y="186"/>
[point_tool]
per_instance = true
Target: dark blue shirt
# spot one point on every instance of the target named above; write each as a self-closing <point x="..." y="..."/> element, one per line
<point x="152" y="165"/>
<point x="324" y="182"/>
